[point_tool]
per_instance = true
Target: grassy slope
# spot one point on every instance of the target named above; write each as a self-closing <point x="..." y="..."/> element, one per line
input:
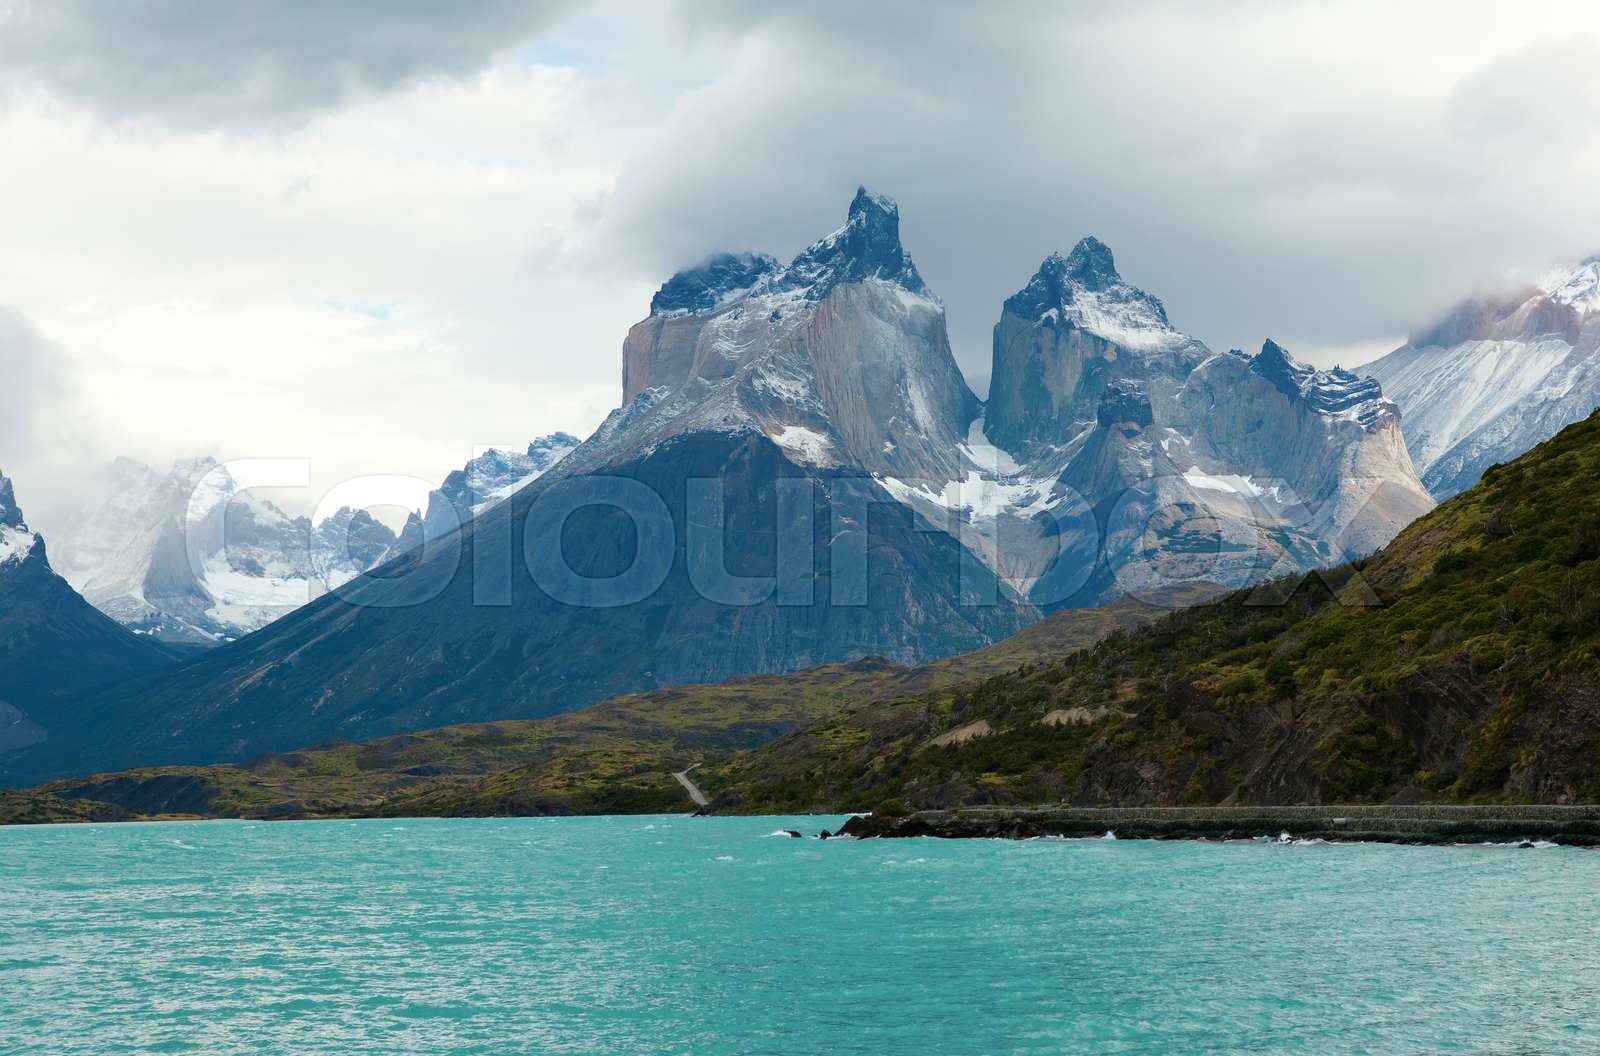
<point x="1477" y="679"/>
<point x="617" y="756"/>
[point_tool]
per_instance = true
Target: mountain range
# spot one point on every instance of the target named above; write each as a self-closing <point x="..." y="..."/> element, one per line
<point x="798" y="475"/>
<point x="822" y="372"/>
<point x="189" y="557"/>
<point x="1454" y="666"/>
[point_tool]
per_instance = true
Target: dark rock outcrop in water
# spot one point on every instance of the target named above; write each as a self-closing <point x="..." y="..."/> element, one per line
<point x="1519" y="825"/>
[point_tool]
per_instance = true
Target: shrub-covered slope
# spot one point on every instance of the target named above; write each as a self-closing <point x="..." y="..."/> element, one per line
<point x="1473" y="676"/>
<point x="615" y="757"/>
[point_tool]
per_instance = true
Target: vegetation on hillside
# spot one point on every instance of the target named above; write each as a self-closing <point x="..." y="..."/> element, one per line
<point x="615" y="757"/>
<point x="1475" y="678"/>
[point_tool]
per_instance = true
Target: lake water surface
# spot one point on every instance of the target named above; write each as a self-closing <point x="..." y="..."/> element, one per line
<point x="708" y="936"/>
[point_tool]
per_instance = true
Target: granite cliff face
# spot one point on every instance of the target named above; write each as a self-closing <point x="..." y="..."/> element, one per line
<point x="1074" y="329"/>
<point x="1327" y="441"/>
<point x="840" y="357"/>
<point x="1496" y="376"/>
<point x="1119" y="454"/>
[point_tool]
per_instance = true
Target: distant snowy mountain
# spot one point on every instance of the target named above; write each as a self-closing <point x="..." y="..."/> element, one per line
<point x="187" y="557"/>
<point x="1497" y="376"/>
<point x="490" y="478"/>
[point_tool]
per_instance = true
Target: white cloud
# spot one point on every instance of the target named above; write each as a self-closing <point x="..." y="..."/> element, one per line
<point x="435" y="232"/>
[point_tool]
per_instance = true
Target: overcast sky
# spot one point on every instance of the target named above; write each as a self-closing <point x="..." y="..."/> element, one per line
<point x="378" y="234"/>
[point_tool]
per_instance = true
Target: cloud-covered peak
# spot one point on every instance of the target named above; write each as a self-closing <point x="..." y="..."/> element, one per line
<point x="722" y="279"/>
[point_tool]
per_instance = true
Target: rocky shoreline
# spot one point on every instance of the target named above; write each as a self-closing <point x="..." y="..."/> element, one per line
<point x="1419" y="824"/>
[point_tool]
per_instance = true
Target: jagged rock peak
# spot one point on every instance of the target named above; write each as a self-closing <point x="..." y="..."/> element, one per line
<point x="1124" y="401"/>
<point x="1084" y="289"/>
<point x="866" y="247"/>
<point x="1091" y="265"/>
<point x="17" y="543"/>
<point x="551" y="447"/>
<point x="10" y="515"/>
<point x="721" y="279"/>
<point x="1335" y="392"/>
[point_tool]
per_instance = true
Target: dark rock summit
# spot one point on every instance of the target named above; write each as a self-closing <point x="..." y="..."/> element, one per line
<point x="1334" y="392"/>
<point x="702" y="288"/>
<point x="866" y="247"/>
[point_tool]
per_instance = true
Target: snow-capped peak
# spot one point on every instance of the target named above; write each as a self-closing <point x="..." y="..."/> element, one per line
<point x="721" y="280"/>
<point x="1336" y="392"/>
<point x="16" y="541"/>
<point x="490" y="478"/>
<point x="1578" y="287"/>
<point x="1082" y="290"/>
<point x="866" y="247"/>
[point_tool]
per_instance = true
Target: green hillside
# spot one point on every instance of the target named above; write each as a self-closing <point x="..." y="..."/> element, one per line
<point x="1477" y="679"/>
<point x="615" y="757"/>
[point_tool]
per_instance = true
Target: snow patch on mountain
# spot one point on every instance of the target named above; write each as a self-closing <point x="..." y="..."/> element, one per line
<point x="1083" y="290"/>
<point x="1578" y="286"/>
<point x="490" y="478"/>
<point x="187" y="556"/>
<point x="1500" y="375"/>
<point x="15" y="544"/>
<point x="806" y="444"/>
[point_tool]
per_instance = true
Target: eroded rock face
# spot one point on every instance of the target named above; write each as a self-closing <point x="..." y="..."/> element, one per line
<point x="1073" y="330"/>
<point x="840" y="356"/>
<point x="1128" y="437"/>
<point x="1125" y="403"/>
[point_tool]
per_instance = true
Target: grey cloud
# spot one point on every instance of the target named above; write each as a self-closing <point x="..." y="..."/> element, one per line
<point x="1326" y="212"/>
<point x="224" y="62"/>
<point x="31" y="384"/>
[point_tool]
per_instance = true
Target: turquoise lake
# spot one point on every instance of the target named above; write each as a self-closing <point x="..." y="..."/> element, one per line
<point x="708" y="936"/>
